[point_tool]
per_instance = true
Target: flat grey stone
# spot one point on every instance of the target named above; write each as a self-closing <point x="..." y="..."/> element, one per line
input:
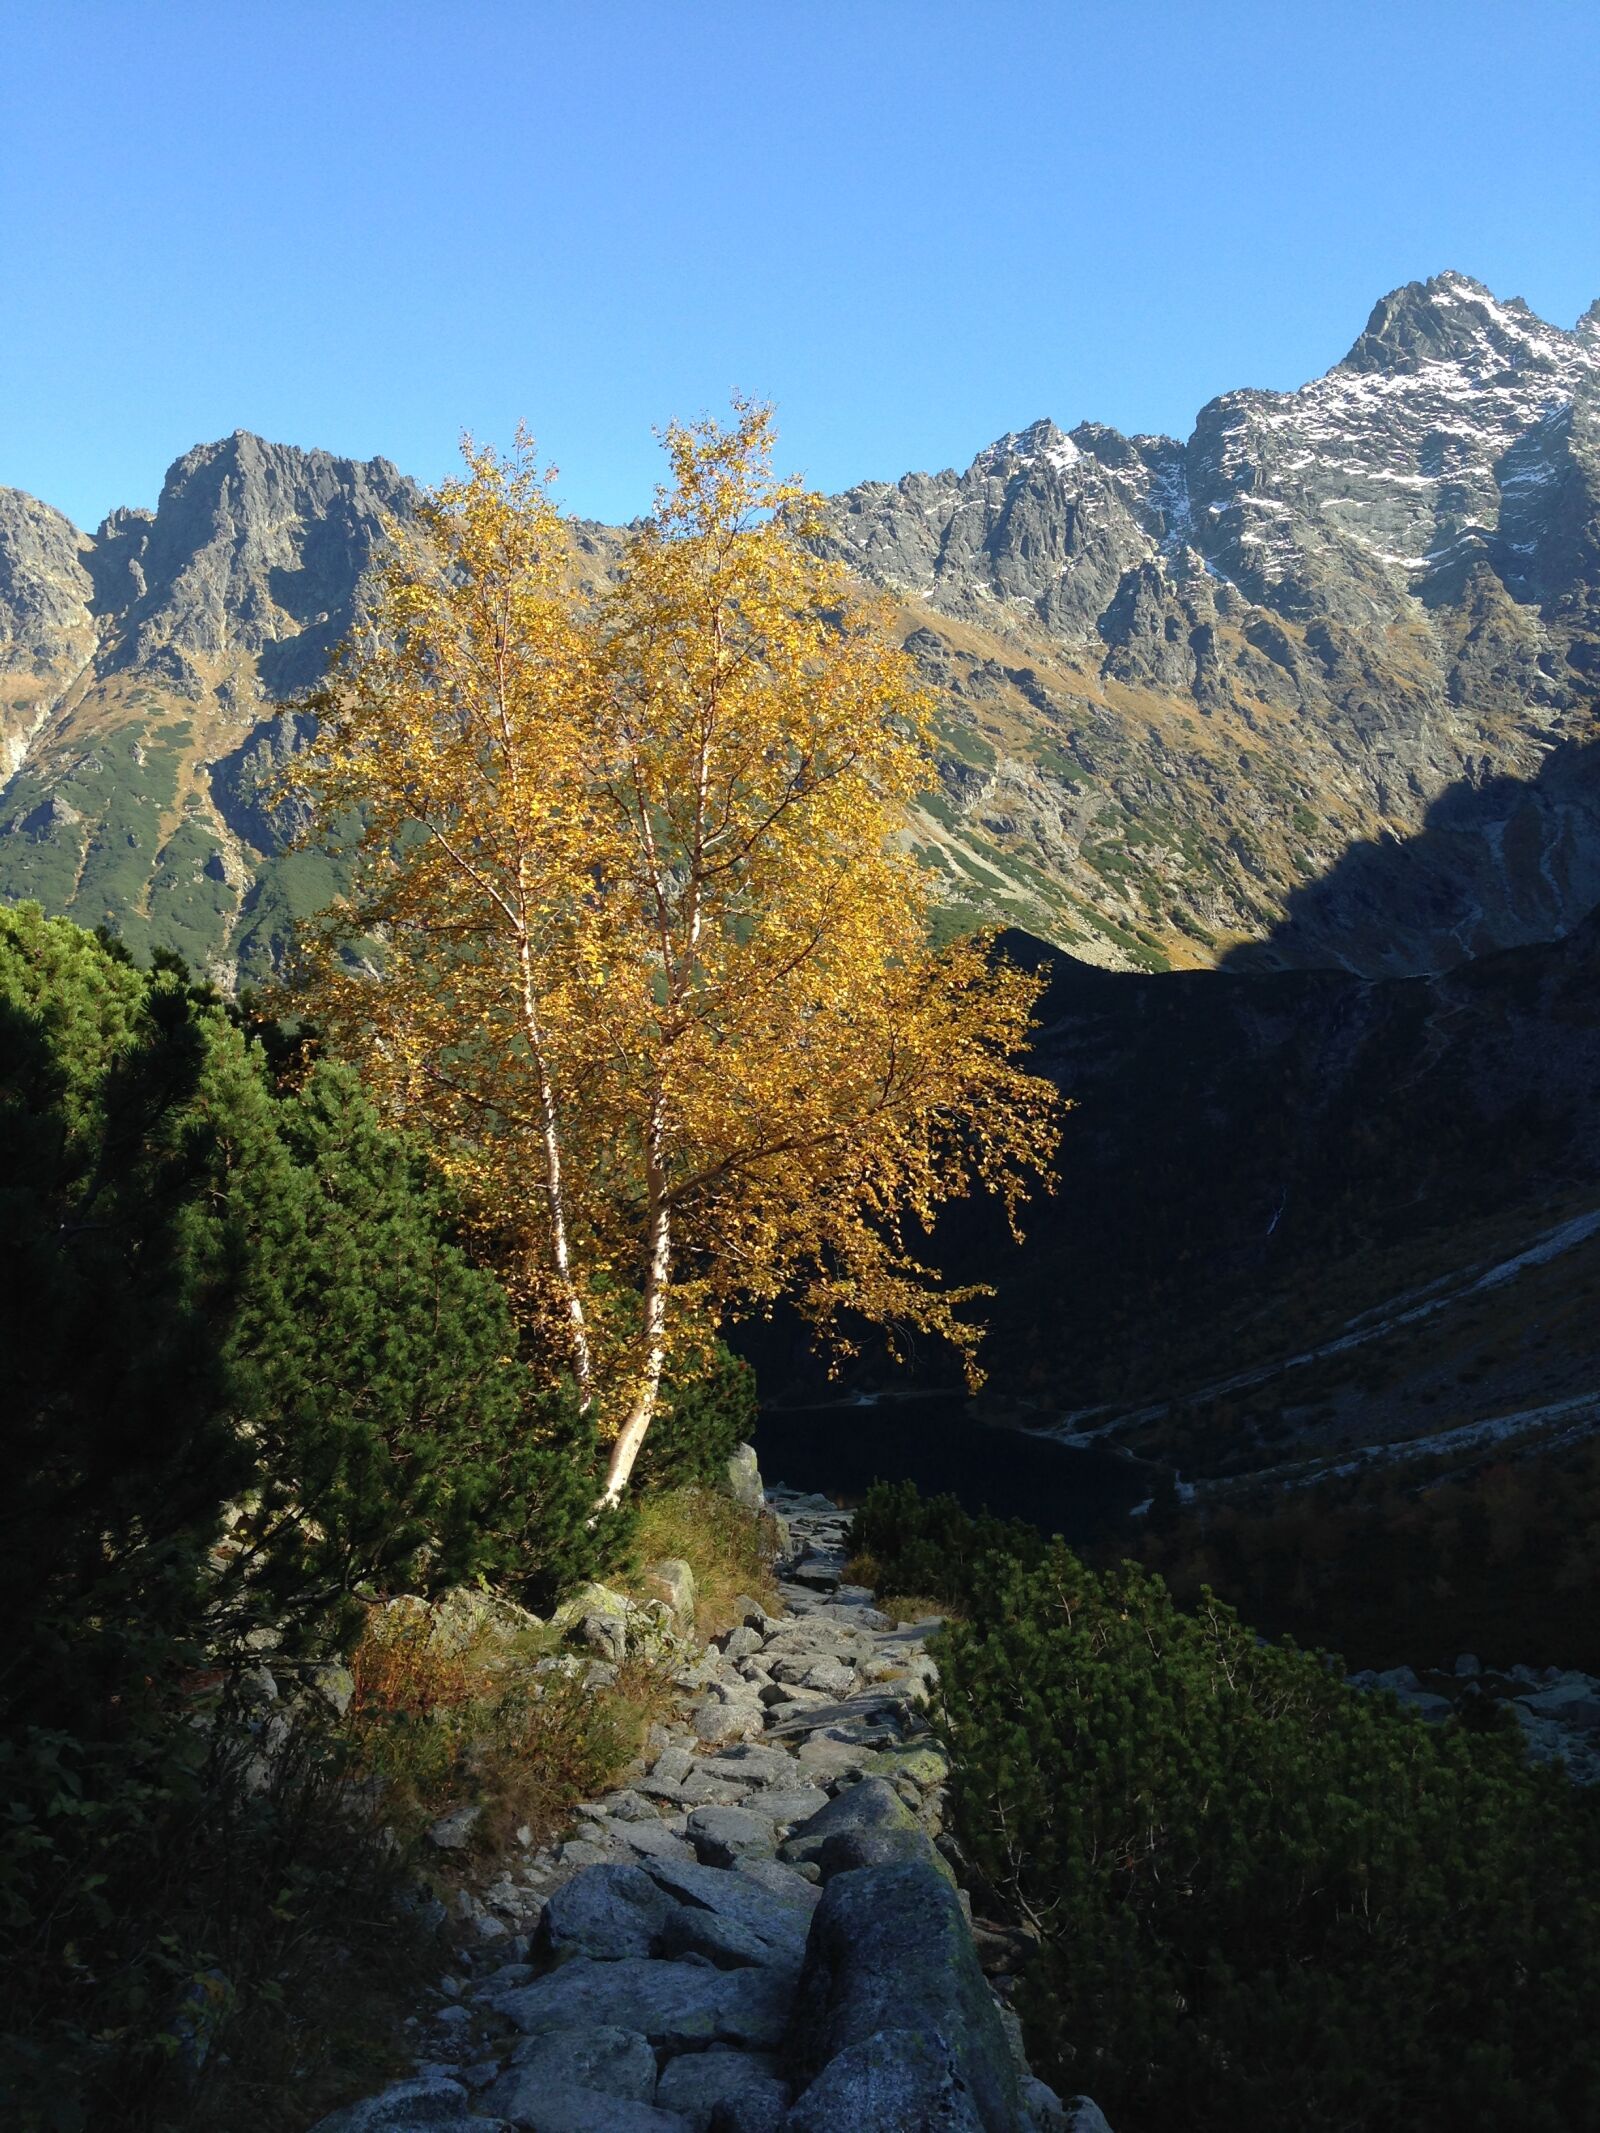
<point x="739" y="1642"/>
<point x="847" y="1851"/>
<point x="673" y="1764"/>
<point x="649" y="1839"/>
<point x="833" y="1676"/>
<point x="722" y="1836"/>
<point x="774" y="1917"/>
<point x="629" y="1805"/>
<point x="679" y="2005"/>
<point x="786" y="1882"/>
<point x="700" y="1789"/>
<point x="608" y="1912"/>
<point x="689" y="1931"/>
<point x="616" y="2062"/>
<point x="793" y="1805"/>
<point x="432" y="2104"/>
<point x="585" y="1852"/>
<point x="751" y="1764"/>
<point x="553" y="2109"/>
<point x="824" y="1755"/>
<point x="715" y="1721"/>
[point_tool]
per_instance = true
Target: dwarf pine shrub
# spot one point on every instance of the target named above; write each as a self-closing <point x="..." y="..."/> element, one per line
<point x="1261" y="1899"/>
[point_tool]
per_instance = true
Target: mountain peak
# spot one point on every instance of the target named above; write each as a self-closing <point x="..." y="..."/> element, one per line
<point x="1040" y="444"/>
<point x="1450" y="318"/>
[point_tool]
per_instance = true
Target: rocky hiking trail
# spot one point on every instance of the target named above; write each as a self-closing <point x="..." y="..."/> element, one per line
<point x="758" y="1933"/>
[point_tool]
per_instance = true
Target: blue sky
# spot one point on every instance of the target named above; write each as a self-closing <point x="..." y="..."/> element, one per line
<point x="912" y="224"/>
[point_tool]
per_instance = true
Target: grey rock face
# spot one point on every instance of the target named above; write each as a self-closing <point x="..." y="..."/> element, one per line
<point x="46" y="593"/>
<point x="699" y="2083"/>
<point x="257" y="548"/>
<point x="613" y="2062"/>
<point x="1401" y="559"/>
<point x="893" y="2079"/>
<point x="678" y="2005"/>
<point x="870" y="1805"/>
<point x="608" y="1913"/>
<point x="723" y="1836"/>
<point x="889" y="1951"/>
<point x="776" y="1919"/>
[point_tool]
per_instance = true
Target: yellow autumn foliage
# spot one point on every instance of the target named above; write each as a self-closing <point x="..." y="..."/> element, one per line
<point x="634" y="938"/>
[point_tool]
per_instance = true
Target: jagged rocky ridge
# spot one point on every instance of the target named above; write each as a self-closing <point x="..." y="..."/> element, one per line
<point x="1332" y="615"/>
<point x="1177" y="681"/>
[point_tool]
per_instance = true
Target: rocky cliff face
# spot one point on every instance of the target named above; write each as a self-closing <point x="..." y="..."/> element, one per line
<point x="141" y="675"/>
<point x="1183" y="679"/>
<point x="1314" y="688"/>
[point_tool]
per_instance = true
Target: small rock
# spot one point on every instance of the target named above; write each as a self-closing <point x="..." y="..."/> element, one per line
<point x="740" y="1642"/>
<point x="1402" y="1679"/>
<point x="334" y="1685"/>
<point x="824" y="1756"/>
<point x="700" y="1789"/>
<point x="715" y="1721"/>
<point x="722" y="1836"/>
<point x="793" y="1884"/>
<point x="608" y="1912"/>
<point x="723" y="1942"/>
<point x="552" y="2109"/>
<point x="748" y="1763"/>
<point x="651" y="1840"/>
<point x="453" y="1831"/>
<point x="584" y="1852"/>
<point x="870" y="1805"/>
<point x="672" y="1581"/>
<point x="598" y="1617"/>
<point x="673" y="1764"/>
<point x="744" y="1478"/>
<point x="793" y="1805"/>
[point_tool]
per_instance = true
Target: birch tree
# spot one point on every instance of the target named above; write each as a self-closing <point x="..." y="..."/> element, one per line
<point x="634" y="934"/>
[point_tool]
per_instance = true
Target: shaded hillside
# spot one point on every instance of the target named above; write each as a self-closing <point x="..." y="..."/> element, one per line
<point x="1263" y="1164"/>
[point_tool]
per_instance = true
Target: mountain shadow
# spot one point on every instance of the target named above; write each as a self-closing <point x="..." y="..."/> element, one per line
<point x="1499" y="861"/>
<point x="1255" y="1160"/>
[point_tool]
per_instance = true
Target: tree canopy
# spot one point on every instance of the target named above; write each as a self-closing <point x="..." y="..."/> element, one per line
<point x="655" y="967"/>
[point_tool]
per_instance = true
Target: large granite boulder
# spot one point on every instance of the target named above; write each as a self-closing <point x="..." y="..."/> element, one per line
<point x="892" y="1977"/>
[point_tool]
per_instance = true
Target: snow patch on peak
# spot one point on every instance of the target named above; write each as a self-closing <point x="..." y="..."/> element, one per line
<point x="1040" y="444"/>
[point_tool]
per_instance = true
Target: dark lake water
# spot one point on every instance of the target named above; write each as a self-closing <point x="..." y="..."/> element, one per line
<point x="1084" y="1494"/>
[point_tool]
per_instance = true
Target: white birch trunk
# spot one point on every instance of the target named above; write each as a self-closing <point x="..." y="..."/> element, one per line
<point x="658" y="1276"/>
